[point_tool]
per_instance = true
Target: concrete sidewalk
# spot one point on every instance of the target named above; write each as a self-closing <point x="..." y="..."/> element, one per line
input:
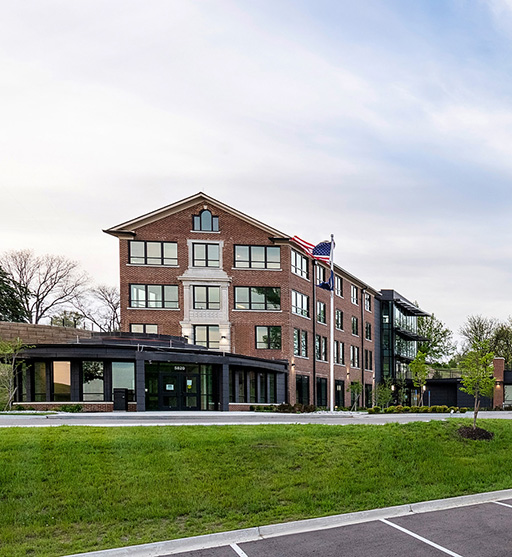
<point x="227" y="542"/>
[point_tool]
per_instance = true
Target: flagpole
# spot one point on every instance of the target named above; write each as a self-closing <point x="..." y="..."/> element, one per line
<point x="331" y="343"/>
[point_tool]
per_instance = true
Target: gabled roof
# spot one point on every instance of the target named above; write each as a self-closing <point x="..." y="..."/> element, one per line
<point x="127" y="229"/>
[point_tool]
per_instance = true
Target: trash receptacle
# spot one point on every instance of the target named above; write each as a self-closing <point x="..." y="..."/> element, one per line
<point x="121" y="399"/>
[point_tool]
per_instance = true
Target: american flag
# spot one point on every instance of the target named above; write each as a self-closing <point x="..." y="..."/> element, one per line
<point x="321" y="251"/>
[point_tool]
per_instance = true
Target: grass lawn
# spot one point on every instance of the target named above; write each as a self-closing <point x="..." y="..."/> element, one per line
<point x="70" y="489"/>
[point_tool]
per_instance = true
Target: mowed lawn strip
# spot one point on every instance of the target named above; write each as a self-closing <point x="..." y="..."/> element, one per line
<point x="71" y="489"/>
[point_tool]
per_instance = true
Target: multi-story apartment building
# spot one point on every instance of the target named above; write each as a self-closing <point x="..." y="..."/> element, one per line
<point x="204" y="271"/>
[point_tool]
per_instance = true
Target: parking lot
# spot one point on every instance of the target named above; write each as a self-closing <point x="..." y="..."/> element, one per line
<point x="468" y="526"/>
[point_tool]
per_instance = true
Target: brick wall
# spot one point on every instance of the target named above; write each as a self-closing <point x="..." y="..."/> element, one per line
<point x="235" y="230"/>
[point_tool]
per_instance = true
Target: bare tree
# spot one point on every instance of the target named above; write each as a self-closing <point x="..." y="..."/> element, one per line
<point x="101" y="306"/>
<point x="46" y="283"/>
<point x="478" y="329"/>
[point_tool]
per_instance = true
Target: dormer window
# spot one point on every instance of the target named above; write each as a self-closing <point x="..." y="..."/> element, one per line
<point x="206" y="222"/>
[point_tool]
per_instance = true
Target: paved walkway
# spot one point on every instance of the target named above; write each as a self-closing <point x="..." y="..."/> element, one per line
<point x="111" y="419"/>
<point x="469" y="526"/>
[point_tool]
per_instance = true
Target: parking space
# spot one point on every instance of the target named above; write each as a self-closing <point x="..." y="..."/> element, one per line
<point x="483" y="530"/>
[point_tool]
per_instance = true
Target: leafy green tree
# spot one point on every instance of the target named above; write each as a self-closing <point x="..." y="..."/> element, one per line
<point x="439" y="345"/>
<point x="419" y="370"/>
<point x="478" y="374"/>
<point x="9" y="362"/>
<point x="501" y="342"/>
<point x="11" y="304"/>
<point x="67" y="319"/>
<point x="356" y="388"/>
<point x="383" y="394"/>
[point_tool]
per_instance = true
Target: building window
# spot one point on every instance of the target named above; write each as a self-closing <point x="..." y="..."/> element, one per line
<point x="257" y="298"/>
<point x="123" y="377"/>
<point x="339" y="393"/>
<point x="268" y="337"/>
<point x="207" y="335"/>
<point x="354" y="294"/>
<point x="320" y="313"/>
<point x="257" y="257"/>
<point x="93" y="381"/>
<point x="153" y="253"/>
<point x="40" y="382"/>
<point x="368" y="331"/>
<point x="339" y="352"/>
<point x="368" y="360"/>
<point x="61" y="381"/>
<point x="338" y="286"/>
<point x="355" y="326"/>
<point x="321" y="391"/>
<point x="321" y="348"/>
<point x="302" y="389"/>
<point x="300" y="304"/>
<point x="338" y="316"/>
<point x="354" y="356"/>
<point x="300" y="343"/>
<point x="300" y="265"/>
<point x="153" y="296"/>
<point x="205" y="222"/>
<point x="143" y="328"/>
<point x="367" y="302"/>
<point x="206" y="297"/>
<point x="205" y="255"/>
<point x="320" y="274"/>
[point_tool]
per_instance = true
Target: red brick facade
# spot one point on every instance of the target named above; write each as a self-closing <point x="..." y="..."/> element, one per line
<point x="175" y="224"/>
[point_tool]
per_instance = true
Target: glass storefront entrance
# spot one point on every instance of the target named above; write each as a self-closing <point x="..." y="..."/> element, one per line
<point x="180" y="387"/>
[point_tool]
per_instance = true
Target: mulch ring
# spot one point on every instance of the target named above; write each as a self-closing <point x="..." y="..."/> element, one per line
<point x="478" y="434"/>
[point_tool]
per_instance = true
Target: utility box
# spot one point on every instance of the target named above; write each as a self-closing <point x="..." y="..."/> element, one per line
<point x="121" y="399"/>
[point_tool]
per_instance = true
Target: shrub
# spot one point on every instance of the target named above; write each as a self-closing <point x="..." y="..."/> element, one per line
<point x="424" y="409"/>
<point x="371" y="410"/>
<point x="415" y="409"/>
<point x="72" y="408"/>
<point x="399" y="409"/>
<point x="390" y="409"/>
<point x="444" y="408"/>
<point x="377" y="409"/>
<point x="406" y="409"/>
<point x="463" y="410"/>
<point x="454" y="408"/>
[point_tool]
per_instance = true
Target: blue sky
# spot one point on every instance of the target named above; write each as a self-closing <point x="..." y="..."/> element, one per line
<point x="387" y="123"/>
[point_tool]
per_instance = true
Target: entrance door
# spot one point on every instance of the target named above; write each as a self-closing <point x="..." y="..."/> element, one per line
<point x="179" y="391"/>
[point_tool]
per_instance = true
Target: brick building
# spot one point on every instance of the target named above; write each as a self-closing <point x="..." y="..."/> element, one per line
<point x="204" y="271"/>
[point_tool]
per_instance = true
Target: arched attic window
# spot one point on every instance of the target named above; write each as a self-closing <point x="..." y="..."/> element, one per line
<point x="206" y="222"/>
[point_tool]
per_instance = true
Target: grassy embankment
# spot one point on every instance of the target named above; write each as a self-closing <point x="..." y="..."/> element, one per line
<point x="71" y="489"/>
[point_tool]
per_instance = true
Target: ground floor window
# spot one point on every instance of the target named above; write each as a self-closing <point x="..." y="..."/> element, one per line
<point x="339" y="393"/>
<point x="252" y="386"/>
<point x="321" y="391"/>
<point x="61" y="381"/>
<point x="93" y="381"/>
<point x="368" y="396"/>
<point x="302" y="389"/>
<point x="123" y="377"/>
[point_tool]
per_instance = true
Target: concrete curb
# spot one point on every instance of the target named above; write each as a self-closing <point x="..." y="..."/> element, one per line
<point x="207" y="541"/>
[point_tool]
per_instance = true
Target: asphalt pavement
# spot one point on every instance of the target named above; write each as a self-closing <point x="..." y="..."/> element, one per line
<point x="469" y="526"/>
<point x="115" y="419"/>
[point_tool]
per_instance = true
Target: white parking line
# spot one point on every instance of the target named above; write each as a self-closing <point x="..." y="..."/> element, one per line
<point x="239" y="551"/>
<point x="424" y="540"/>
<point x="503" y="504"/>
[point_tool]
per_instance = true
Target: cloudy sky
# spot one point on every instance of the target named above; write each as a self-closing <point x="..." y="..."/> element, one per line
<point x="385" y="122"/>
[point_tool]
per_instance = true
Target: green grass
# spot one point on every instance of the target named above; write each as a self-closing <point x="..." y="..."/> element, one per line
<point x="71" y="489"/>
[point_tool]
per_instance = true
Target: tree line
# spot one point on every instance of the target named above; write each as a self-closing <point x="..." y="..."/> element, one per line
<point x="52" y="287"/>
